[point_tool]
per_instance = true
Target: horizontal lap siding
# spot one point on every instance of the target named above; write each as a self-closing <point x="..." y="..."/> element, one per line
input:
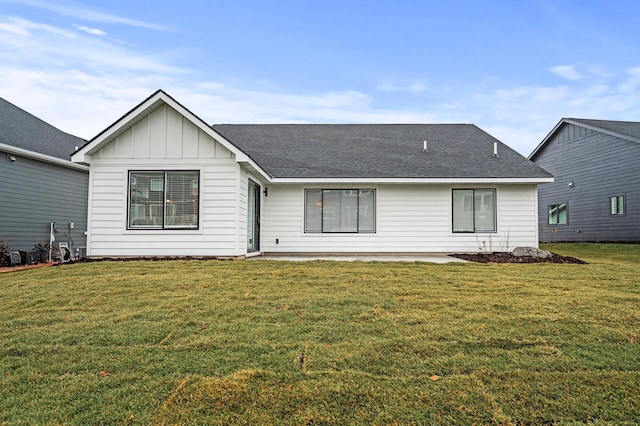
<point x="218" y="205"/>
<point x="600" y="166"/>
<point x="410" y="218"/>
<point x="164" y="140"/>
<point x="36" y="193"/>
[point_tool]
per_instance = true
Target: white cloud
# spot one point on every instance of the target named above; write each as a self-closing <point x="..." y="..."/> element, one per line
<point x="632" y="81"/>
<point x="416" y="87"/>
<point x="568" y="72"/>
<point x="82" y="83"/>
<point x="92" y="31"/>
<point x="512" y="94"/>
<point x="14" y="29"/>
<point x="92" y="15"/>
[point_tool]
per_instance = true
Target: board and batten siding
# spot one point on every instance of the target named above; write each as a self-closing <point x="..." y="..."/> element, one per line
<point x="165" y="140"/>
<point x="599" y="166"/>
<point x="409" y="219"/>
<point x="34" y="194"/>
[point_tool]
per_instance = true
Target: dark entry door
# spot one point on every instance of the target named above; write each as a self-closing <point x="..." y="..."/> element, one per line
<point x="253" y="217"/>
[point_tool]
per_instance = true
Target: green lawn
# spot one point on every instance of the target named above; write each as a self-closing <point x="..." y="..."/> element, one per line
<point x="269" y="342"/>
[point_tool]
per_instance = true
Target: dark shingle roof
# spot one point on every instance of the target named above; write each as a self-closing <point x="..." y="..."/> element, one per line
<point x="20" y="129"/>
<point x="628" y="128"/>
<point x="377" y="151"/>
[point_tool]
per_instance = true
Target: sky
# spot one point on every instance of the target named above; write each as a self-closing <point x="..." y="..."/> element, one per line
<point x="512" y="67"/>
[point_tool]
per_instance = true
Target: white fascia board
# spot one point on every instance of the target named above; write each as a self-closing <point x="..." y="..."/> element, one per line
<point x="240" y="156"/>
<point x="457" y="181"/>
<point x="42" y="157"/>
<point x="83" y="155"/>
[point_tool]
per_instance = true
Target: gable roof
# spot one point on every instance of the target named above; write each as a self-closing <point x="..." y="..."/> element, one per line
<point x="629" y="130"/>
<point x="158" y="98"/>
<point x="392" y="151"/>
<point x="24" y="134"/>
<point x="339" y="152"/>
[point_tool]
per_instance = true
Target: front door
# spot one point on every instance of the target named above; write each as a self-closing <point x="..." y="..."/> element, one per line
<point x="253" y="217"/>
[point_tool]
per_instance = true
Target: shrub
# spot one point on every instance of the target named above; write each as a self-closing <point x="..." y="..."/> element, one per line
<point x="4" y="252"/>
<point x="41" y="250"/>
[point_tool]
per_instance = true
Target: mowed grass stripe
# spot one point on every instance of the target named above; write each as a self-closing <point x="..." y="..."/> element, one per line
<point x="220" y="342"/>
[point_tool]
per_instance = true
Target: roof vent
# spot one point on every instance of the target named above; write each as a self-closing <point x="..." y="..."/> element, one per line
<point x="424" y="148"/>
<point x="76" y="148"/>
<point x="495" y="149"/>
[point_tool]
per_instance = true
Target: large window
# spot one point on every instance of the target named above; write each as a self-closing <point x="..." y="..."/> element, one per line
<point x="474" y="210"/>
<point x="340" y="210"/>
<point x="163" y="200"/>
<point x="558" y="214"/>
<point x="617" y="205"/>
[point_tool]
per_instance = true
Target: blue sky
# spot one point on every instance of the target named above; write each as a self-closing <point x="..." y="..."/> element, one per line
<point x="514" y="68"/>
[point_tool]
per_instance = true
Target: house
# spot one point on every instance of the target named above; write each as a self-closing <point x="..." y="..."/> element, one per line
<point x="39" y="185"/>
<point x="596" y="193"/>
<point x="165" y="183"/>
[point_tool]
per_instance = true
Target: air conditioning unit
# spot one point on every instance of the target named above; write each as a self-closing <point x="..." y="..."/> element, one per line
<point x="14" y="258"/>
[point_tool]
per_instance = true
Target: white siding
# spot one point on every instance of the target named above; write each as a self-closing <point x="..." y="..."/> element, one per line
<point x="410" y="219"/>
<point x="164" y="140"/>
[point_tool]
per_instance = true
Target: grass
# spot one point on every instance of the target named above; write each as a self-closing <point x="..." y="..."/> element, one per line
<point x="270" y="342"/>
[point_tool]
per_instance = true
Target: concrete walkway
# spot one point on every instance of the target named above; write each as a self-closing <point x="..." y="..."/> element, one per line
<point x="431" y="258"/>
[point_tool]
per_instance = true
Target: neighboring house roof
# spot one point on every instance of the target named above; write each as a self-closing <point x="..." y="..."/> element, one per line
<point x="24" y="130"/>
<point x="24" y="134"/>
<point x="629" y="130"/>
<point x="378" y="151"/>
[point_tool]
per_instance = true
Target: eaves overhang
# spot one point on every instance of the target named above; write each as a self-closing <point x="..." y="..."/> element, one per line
<point x="434" y="181"/>
<point x="83" y="155"/>
<point x="42" y="157"/>
<point x="577" y="122"/>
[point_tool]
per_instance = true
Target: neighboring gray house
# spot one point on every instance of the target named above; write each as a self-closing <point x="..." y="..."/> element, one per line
<point x="165" y="183"/>
<point x="596" y="193"/>
<point x="38" y="182"/>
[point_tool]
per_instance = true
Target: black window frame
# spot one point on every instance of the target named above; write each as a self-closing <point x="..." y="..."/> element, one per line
<point x="624" y="205"/>
<point x="473" y="211"/>
<point x="163" y="227"/>
<point x="557" y="206"/>
<point x="357" y="231"/>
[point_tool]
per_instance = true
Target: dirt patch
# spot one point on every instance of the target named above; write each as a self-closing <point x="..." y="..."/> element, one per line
<point x="499" y="257"/>
<point x="23" y="267"/>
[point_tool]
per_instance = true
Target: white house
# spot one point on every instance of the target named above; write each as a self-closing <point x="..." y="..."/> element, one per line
<point x="163" y="182"/>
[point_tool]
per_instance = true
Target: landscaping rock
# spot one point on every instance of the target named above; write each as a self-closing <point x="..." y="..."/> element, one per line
<point x="530" y="252"/>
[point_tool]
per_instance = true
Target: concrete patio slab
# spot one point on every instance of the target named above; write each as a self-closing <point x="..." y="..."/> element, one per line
<point x="431" y="258"/>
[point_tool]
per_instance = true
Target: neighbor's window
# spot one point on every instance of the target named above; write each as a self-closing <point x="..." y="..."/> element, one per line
<point x="617" y="205"/>
<point x="163" y="200"/>
<point x="474" y="210"/>
<point x="340" y="210"/>
<point x="558" y="214"/>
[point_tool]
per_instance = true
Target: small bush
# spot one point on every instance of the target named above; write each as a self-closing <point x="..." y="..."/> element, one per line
<point x="41" y="250"/>
<point x="4" y="253"/>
